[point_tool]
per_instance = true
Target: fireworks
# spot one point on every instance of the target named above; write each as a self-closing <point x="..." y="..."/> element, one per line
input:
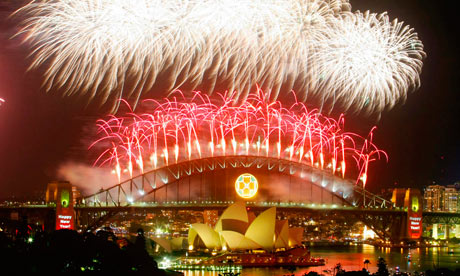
<point x="113" y="49"/>
<point x="180" y="129"/>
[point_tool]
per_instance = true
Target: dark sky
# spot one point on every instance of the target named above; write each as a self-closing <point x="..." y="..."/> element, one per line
<point x="40" y="131"/>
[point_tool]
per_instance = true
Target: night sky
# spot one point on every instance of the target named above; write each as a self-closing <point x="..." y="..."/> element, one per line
<point x="39" y="132"/>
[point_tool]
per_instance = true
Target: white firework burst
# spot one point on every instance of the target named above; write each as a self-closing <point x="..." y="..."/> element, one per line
<point x="367" y="62"/>
<point x="112" y="49"/>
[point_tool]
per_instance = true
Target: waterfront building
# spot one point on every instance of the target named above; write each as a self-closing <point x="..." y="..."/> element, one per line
<point x="451" y="200"/>
<point x="442" y="199"/>
<point x="434" y="198"/>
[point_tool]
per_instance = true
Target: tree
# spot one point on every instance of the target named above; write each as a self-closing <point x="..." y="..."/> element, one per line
<point x="366" y="264"/>
<point x="338" y="270"/>
<point x="382" y="267"/>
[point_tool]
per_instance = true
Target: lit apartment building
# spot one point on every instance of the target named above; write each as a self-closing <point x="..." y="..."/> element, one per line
<point x="434" y="198"/>
<point x="451" y="200"/>
<point x="441" y="199"/>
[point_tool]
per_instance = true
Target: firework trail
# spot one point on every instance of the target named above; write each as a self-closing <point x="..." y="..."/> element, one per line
<point x="181" y="129"/>
<point x="113" y="49"/>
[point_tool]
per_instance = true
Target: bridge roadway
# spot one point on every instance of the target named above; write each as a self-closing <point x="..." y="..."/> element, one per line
<point x="428" y="217"/>
<point x="387" y="223"/>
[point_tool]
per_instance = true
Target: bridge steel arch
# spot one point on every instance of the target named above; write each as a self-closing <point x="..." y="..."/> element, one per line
<point x="210" y="181"/>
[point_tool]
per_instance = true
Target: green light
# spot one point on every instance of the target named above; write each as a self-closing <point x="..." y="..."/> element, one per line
<point x="65" y="198"/>
<point x="415" y="205"/>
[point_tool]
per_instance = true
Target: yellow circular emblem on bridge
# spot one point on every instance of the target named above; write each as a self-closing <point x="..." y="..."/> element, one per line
<point x="246" y="185"/>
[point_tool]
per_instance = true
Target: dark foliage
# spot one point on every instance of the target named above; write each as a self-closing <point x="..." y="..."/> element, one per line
<point x="363" y="272"/>
<point x="66" y="251"/>
<point x="442" y="272"/>
<point x="382" y="269"/>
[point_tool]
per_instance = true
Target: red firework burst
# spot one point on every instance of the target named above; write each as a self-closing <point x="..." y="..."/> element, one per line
<point x="180" y="129"/>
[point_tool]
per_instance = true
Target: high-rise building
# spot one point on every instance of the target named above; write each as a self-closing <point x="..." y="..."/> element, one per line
<point x="442" y="199"/>
<point x="451" y="199"/>
<point x="434" y="198"/>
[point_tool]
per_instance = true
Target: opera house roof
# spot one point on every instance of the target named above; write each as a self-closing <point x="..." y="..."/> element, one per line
<point x="237" y="229"/>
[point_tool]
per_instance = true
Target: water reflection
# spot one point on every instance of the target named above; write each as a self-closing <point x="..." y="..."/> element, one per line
<point x="352" y="258"/>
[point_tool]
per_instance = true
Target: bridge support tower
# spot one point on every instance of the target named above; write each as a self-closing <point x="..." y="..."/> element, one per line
<point x="60" y="193"/>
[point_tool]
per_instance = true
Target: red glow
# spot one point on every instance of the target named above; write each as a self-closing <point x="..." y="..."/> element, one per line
<point x="415" y="226"/>
<point x="65" y="221"/>
<point x="200" y="127"/>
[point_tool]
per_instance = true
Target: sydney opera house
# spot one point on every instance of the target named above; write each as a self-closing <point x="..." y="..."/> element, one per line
<point x="238" y="230"/>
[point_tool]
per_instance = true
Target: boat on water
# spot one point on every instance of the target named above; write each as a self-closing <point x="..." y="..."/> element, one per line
<point x="295" y="257"/>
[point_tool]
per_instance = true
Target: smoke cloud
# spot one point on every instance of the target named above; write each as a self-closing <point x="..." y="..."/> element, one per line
<point x="88" y="179"/>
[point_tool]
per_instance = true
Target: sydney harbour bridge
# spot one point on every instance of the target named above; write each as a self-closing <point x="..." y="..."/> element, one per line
<point x="209" y="184"/>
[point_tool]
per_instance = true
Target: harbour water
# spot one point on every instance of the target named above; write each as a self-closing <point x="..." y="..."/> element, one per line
<point x="353" y="257"/>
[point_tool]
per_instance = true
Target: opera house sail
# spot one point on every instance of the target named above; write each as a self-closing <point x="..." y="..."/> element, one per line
<point x="238" y="230"/>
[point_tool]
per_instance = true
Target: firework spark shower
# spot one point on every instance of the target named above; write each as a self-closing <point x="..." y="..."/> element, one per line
<point x="113" y="49"/>
<point x="180" y="129"/>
